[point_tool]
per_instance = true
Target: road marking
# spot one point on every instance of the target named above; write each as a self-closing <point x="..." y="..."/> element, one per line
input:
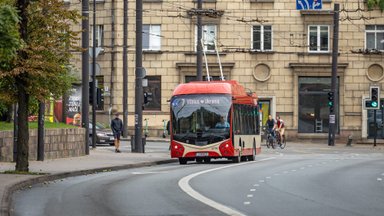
<point x="256" y="185"/>
<point x="302" y="168"/>
<point x="250" y="195"/>
<point x="379" y="179"/>
<point x="268" y="177"/>
<point x="293" y="170"/>
<point x="382" y="174"/>
<point x="186" y="187"/>
<point x="276" y="174"/>
<point x="253" y="190"/>
<point x="261" y="181"/>
<point x="149" y="172"/>
<point x="285" y="172"/>
<point x="247" y="203"/>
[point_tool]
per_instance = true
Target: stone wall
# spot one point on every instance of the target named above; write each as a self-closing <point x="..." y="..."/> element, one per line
<point x="58" y="143"/>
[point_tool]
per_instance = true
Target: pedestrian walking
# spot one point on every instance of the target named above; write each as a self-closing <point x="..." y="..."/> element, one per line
<point x="117" y="129"/>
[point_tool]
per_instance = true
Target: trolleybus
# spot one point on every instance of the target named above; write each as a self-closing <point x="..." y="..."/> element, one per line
<point x="217" y="119"/>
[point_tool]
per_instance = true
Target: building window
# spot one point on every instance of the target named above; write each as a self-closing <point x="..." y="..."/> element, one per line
<point x="153" y="90"/>
<point x="374" y="37"/>
<point x="313" y="105"/>
<point x="151" y="37"/>
<point x="318" y="40"/>
<point x="262" y="37"/>
<point x="209" y="37"/>
<point x="99" y="36"/>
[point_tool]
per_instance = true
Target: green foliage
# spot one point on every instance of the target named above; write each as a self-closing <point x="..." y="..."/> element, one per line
<point x="46" y="70"/>
<point x="5" y="126"/>
<point x="373" y="3"/>
<point x="9" y="34"/>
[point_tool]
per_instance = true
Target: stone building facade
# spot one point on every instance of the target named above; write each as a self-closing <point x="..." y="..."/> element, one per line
<point x="281" y="53"/>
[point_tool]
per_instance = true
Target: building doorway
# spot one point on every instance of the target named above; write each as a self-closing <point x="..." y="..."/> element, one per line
<point x="265" y="109"/>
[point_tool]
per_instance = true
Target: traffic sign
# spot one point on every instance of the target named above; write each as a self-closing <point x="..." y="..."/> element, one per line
<point x="309" y="4"/>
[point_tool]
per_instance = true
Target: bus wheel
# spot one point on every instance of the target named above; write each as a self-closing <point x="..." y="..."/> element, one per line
<point x="207" y="160"/>
<point x="199" y="160"/>
<point x="236" y="159"/>
<point x="182" y="160"/>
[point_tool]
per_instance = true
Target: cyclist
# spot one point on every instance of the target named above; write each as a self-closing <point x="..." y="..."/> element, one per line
<point x="280" y="127"/>
<point x="271" y="124"/>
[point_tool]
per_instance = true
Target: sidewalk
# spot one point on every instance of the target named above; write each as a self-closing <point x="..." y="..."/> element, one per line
<point x="101" y="159"/>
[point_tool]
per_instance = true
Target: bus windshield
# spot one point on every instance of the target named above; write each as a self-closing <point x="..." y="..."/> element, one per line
<point x="201" y="119"/>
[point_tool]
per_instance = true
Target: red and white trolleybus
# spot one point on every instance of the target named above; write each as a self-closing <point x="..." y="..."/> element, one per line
<point x="217" y="119"/>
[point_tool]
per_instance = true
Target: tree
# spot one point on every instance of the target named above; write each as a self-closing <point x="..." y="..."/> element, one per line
<point x="373" y="3"/>
<point x="9" y="44"/>
<point x="40" y="69"/>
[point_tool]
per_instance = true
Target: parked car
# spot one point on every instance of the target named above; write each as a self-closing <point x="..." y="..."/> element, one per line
<point x="103" y="135"/>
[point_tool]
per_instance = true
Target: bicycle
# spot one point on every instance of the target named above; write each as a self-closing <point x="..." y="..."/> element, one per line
<point x="270" y="139"/>
<point x="282" y="143"/>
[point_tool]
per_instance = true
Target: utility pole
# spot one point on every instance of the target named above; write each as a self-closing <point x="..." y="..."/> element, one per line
<point x="199" y="47"/>
<point x="85" y="71"/>
<point x="93" y="87"/>
<point x="40" y="132"/>
<point x="139" y="79"/>
<point x="334" y="89"/>
<point x="125" y="70"/>
<point x="15" y="131"/>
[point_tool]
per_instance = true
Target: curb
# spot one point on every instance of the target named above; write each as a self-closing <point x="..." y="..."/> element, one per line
<point x="6" y="202"/>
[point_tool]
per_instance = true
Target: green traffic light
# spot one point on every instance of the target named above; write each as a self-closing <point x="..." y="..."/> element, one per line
<point x="330" y="103"/>
<point x="374" y="104"/>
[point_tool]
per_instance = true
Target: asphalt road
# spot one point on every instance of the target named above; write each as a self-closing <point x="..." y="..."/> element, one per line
<point x="299" y="180"/>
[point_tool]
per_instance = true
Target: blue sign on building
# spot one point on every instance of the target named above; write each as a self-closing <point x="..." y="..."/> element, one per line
<point x="309" y="4"/>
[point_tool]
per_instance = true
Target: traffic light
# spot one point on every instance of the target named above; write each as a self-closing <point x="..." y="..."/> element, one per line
<point x="99" y="96"/>
<point x="331" y="100"/>
<point x="145" y="97"/>
<point x="375" y="96"/>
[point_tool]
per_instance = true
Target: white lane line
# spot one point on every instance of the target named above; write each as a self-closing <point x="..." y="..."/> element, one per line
<point x="302" y="168"/>
<point x="382" y="174"/>
<point x="276" y="174"/>
<point x="149" y="172"/>
<point x="261" y="181"/>
<point x="186" y="187"/>
<point x="293" y="170"/>
<point x="250" y="195"/>
<point x="379" y="179"/>
<point x="253" y="190"/>
<point x="268" y="177"/>
<point x="256" y="185"/>
<point x="247" y="203"/>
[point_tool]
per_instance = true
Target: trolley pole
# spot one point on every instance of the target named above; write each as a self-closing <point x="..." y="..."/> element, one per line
<point x="85" y="72"/>
<point x="139" y="79"/>
<point x="335" y="52"/>
<point x="199" y="47"/>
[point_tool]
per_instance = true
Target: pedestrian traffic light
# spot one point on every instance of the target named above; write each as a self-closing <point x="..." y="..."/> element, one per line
<point x="375" y="96"/>
<point x="331" y="100"/>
